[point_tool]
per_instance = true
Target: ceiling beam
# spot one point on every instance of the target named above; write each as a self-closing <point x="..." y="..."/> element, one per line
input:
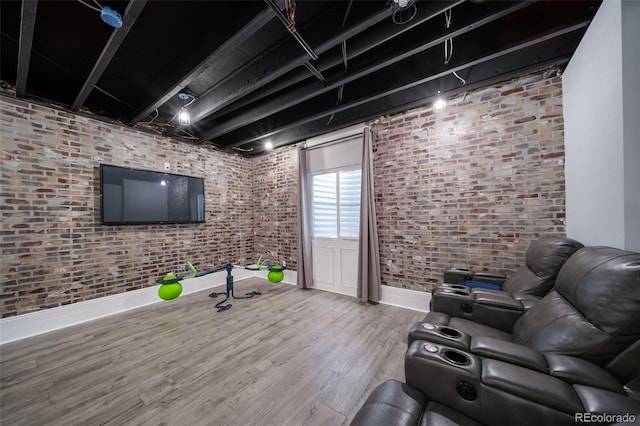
<point x="27" y="25"/>
<point x="398" y="53"/>
<point x="232" y="43"/>
<point x="357" y="45"/>
<point x="113" y="44"/>
<point x="413" y="83"/>
<point x="260" y="76"/>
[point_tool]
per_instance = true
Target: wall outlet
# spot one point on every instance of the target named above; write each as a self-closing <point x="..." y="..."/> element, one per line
<point x="167" y="166"/>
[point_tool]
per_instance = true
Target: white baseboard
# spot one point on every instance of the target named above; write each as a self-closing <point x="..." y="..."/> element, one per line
<point x="39" y="322"/>
<point x="405" y="298"/>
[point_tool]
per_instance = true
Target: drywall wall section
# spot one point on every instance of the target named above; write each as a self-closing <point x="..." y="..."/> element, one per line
<point x="601" y="108"/>
<point x="631" y="115"/>
<point x="593" y="112"/>
<point x="54" y="249"/>
<point x="470" y="186"/>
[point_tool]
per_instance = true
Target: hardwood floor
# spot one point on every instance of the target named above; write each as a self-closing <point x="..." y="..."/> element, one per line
<point x="287" y="357"/>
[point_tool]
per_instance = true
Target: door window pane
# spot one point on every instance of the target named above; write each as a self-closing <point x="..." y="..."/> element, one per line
<point x="325" y="205"/>
<point x="336" y="204"/>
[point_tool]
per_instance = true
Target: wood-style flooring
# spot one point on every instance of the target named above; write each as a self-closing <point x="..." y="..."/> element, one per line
<point x="286" y="357"/>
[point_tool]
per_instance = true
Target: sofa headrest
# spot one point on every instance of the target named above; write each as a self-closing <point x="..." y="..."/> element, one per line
<point x="545" y="256"/>
<point x="603" y="283"/>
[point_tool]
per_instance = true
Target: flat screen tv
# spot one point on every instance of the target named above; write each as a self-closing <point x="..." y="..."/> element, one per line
<point x="132" y="197"/>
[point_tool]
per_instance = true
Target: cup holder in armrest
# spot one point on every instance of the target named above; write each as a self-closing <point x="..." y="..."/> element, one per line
<point x="450" y="332"/>
<point x="455" y="357"/>
<point x="439" y="334"/>
<point x="458" y="287"/>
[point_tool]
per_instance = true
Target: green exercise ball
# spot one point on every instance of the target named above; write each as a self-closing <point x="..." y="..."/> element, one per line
<point x="275" y="274"/>
<point x="170" y="291"/>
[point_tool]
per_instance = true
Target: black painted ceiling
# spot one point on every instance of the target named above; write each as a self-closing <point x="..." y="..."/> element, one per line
<point x="250" y="80"/>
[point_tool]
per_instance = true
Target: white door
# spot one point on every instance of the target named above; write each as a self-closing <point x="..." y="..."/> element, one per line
<point x="336" y="217"/>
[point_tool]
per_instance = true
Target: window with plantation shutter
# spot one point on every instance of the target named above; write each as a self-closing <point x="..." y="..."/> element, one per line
<point x="336" y="204"/>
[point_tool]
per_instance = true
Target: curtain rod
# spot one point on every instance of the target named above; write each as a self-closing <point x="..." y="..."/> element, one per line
<point x="332" y="141"/>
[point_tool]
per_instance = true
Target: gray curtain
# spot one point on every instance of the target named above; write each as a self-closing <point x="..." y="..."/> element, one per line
<point x="368" y="252"/>
<point x="305" y="260"/>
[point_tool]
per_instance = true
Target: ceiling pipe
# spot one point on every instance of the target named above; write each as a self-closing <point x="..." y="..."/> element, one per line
<point x="293" y="31"/>
<point x="313" y="70"/>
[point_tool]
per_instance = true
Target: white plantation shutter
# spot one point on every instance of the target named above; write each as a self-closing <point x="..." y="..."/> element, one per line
<point x="349" y="203"/>
<point x="325" y="205"/>
<point x="336" y="204"/>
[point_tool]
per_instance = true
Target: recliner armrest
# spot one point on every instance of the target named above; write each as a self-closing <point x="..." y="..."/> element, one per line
<point x="497" y="278"/>
<point x="509" y="352"/>
<point x="531" y="385"/>
<point x="460" y="275"/>
<point x="579" y="371"/>
<point x="496" y="309"/>
<point x="597" y="400"/>
<point x="498" y="300"/>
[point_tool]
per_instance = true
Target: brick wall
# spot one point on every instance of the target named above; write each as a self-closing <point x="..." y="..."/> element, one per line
<point x="470" y="186"/>
<point x="275" y="205"/>
<point x="54" y="250"/>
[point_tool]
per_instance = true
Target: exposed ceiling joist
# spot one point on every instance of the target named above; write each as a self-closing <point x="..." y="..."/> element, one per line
<point x="249" y="79"/>
<point x="311" y="128"/>
<point x="261" y="76"/>
<point x="405" y="50"/>
<point x="232" y="43"/>
<point x="27" y="25"/>
<point x="358" y="45"/>
<point x="411" y="82"/>
<point x="113" y="44"/>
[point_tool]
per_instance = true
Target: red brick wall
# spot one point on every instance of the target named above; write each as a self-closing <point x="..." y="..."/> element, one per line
<point x="275" y="205"/>
<point x="470" y="186"/>
<point x="54" y="250"/>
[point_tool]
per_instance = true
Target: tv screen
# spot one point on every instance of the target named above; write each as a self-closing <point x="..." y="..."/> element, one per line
<point x="130" y="196"/>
